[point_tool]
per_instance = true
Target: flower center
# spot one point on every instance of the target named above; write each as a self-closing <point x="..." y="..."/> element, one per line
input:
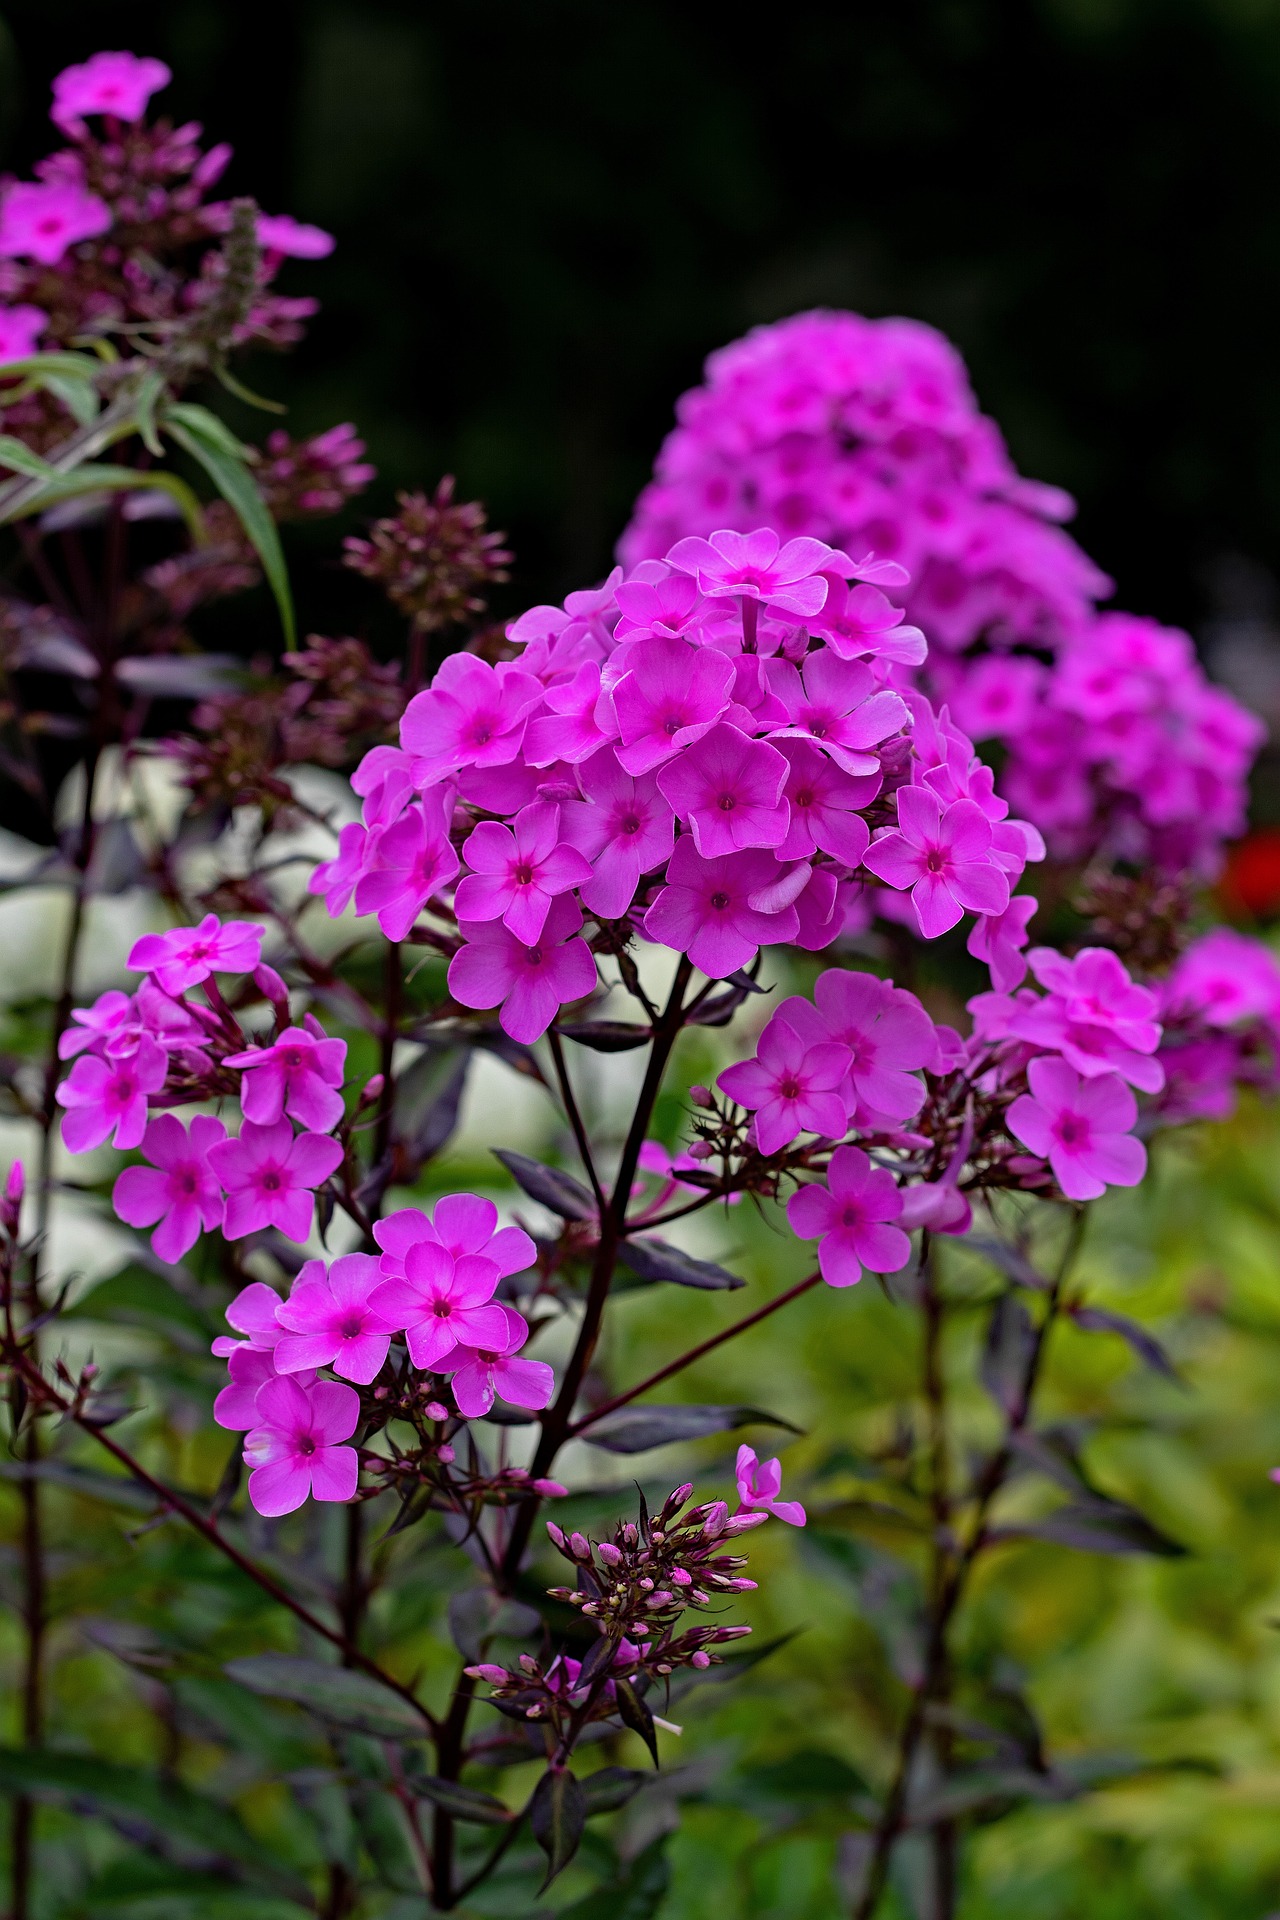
<point x="352" y="1327"/>
<point x="790" y="1090"/>
<point x="935" y="860"/>
<point x="306" y="1444"/>
<point x="441" y="1309"/>
<point x="727" y="802"/>
<point x="719" y="901"/>
<point x="270" y="1180"/>
<point x="524" y="874"/>
<point x="803" y="799"/>
<point x="1072" y="1129"/>
<point x="534" y="956"/>
<point x="629" y="824"/>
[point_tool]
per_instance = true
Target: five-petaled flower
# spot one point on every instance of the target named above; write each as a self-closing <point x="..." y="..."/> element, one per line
<point x="943" y="853"/>
<point x="110" y="1097"/>
<point x="850" y="1218"/>
<point x="1081" y="1126"/>
<point x="299" y="1074"/>
<point x="330" y="1320"/>
<point x="759" y="1485"/>
<point x="295" y="1449"/>
<point x="529" y="981"/>
<point x="484" y="1373"/>
<point x="442" y="1303"/>
<point x="178" y="1189"/>
<point x="184" y="956"/>
<point x="270" y="1174"/>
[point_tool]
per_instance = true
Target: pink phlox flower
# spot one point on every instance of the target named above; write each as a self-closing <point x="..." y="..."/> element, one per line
<point x="1225" y="978"/>
<point x="110" y="1026"/>
<point x="939" y="1204"/>
<point x="119" y="84"/>
<point x="186" y="955"/>
<point x="624" y="828"/>
<point x="998" y="938"/>
<point x="20" y="328"/>
<point x="330" y="1320"/>
<point x="857" y="621"/>
<point x="412" y="861"/>
<point x="824" y="800"/>
<point x="254" y="1313"/>
<point x="517" y="871"/>
<point x="1094" y="1015"/>
<point x="441" y="1303"/>
<point x="384" y="780"/>
<point x="486" y="1373"/>
<point x="996" y="696"/>
<point x="670" y="696"/>
<point x="299" y="1074"/>
<point x="270" y="1174"/>
<point x="280" y="235"/>
<point x="178" y="1189"/>
<point x="667" y="606"/>
<point x="463" y="1223"/>
<point x="1082" y="1127"/>
<point x="730" y="791"/>
<point x="578" y="722"/>
<point x="943" y="854"/>
<point x="791" y="1087"/>
<point x="294" y="1450"/>
<point x="759" y="1485"/>
<point x="821" y="912"/>
<point x="757" y="566"/>
<point x="250" y="1368"/>
<point x="849" y="1218"/>
<point x="472" y="715"/>
<point x="39" y="222"/>
<point x="837" y="705"/>
<point x="666" y="1167"/>
<point x="106" y="1096"/>
<point x="705" y="909"/>
<point x="885" y="1032"/>
<point x="528" y="982"/>
<point x="335" y="880"/>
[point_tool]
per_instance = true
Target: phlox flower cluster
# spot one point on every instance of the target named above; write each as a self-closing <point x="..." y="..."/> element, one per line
<point x="866" y="433"/>
<point x="118" y="226"/>
<point x="1220" y="1008"/>
<point x="706" y="751"/>
<point x="421" y="1313"/>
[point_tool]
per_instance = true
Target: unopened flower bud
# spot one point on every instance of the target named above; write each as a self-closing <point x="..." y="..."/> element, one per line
<point x="496" y="1676"/>
<point x="663" y="1666"/>
<point x="716" y="1521"/>
<point x="701" y="1659"/>
<point x="528" y="1664"/>
<point x="271" y="987"/>
<point x="533" y="1713"/>
<point x="447" y="1454"/>
<point x="15" y="1184"/>
<point x="701" y="1097"/>
<point x="661" y="1598"/>
<point x="550" y="1489"/>
<point x="609" y="1554"/>
<point x="702" y="1150"/>
<point x="580" y="1545"/>
<point x="554" y="1534"/>
<point x="434" y="1410"/>
<point x="646" y="1585"/>
<point x="744" y="1522"/>
<point x="630" y="1537"/>
<point x="682" y="1576"/>
<point x="371" y="1092"/>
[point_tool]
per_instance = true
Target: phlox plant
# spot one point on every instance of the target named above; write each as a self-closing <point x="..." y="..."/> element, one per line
<point x="713" y="795"/>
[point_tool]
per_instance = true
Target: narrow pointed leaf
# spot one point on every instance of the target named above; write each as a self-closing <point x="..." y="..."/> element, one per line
<point x="338" y="1695"/>
<point x="549" y="1185"/>
<point x="557" y="1815"/>
<point x="205" y="438"/>
<point x="464" y="1803"/>
<point x="633" y="1713"/>
<point x="636" y="1429"/>
<point x="655" y="1260"/>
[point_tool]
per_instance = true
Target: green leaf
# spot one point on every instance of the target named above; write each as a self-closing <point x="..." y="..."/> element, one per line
<point x="79" y="397"/>
<point x="112" y="479"/>
<point x="137" y="1296"/>
<point x="221" y="455"/>
<point x="557" y="1815"/>
<point x="174" y="1814"/>
<point x="636" y="1429"/>
<point x="464" y="1803"/>
<point x="336" y="1694"/>
<point x="18" y="457"/>
<point x="637" y="1894"/>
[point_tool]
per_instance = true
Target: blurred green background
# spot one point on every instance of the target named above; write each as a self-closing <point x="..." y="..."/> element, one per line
<point x="547" y="216"/>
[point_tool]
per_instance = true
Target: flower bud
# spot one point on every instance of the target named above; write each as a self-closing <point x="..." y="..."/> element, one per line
<point x="609" y="1554"/>
<point x="528" y="1664"/>
<point x="700" y="1659"/>
<point x="702" y="1150"/>
<point x="716" y="1521"/>
<point x="701" y="1097"/>
<point x="447" y="1454"/>
<point x="272" y="987"/>
<point x="554" y="1534"/>
<point x="550" y="1489"/>
<point x="682" y="1576"/>
<point x="496" y="1676"/>
<point x="434" y="1410"/>
<point x="580" y="1546"/>
<point x="371" y="1092"/>
<point x="744" y="1522"/>
<point x="15" y="1184"/>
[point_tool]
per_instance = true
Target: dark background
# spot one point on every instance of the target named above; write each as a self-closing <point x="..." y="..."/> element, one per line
<point x="549" y="213"/>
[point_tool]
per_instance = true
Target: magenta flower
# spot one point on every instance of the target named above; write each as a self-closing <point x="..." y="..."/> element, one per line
<point x="1082" y="1127"/>
<point x="177" y="1189"/>
<point x="624" y="829"/>
<point x="671" y="695"/>
<point x="1094" y="1015"/>
<point x="250" y="1368"/>
<point x="186" y="955"/>
<point x="472" y="715"/>
<point x="572" y="729"/>
<point x="790" y="1086"/>
<point x="405" y="866"/>
<point x="335" y="880"/>
<point x="442" y="1303"/>
<point x="39" y="222"/>
<point x="279" y="234"/>
<point x="706" y="910"/>
<point x="110" y="1097"/>
<point x="20" y="328"/>
<point x="463" y="1224"/>
<point x="484" y="1373"/>
<point x="254" y="1314"/>
<point x="838" y="705"/>
<point x="116" y="83"/>
<point x="299" y="1074"/>
<point x="757" y="566"/>
<point x="944" y="855"/>
<point x="998" y="938"/>
<point x="1225" y="977"/>
<point x="729" y="790"/>
<point x="294" y="1449"/>
<point x="849" y="1219"/>
<point x="530" y="983"/>
<point x="823" y="800"/>
<point x="331" y="1321"/>
<point x="269" y="1174"/>
<point x="760" y="1483"/>
<point x="861" y="620"/>
<point x="885" y="1032"/>
<point x="517" y="871"/>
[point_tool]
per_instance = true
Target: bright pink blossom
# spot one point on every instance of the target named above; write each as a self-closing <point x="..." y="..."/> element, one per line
<point x="39" y="221"/>
<point x="529" y="982"/>
<point x="759" y="1485"/>
<point x="885" y="1032"/>
<point x="671" y="695"/>
<point x="280" y="234"/>
<point x="757" y="566"/>
<point x="442" y="1303"/>
<point x="624" y="827"/>
<point x="178" y="1189"/>
<point x="944" y="855"/>
<point x="330" y="1320"/>
<point x="577" y="724"/>
<point x="849" y="1218"/>
<point x="110" y="1097"/>
<point x="1225" y="978"/>
<point x="299" y="1074"/>
<point x="294" y="1450"/>
<point x="20" y="328"/>
<point x="791" y="1087"/>
<point x="250" y="1368"/>
<point x="1082" y="1127"/>
<point x="998" y="938"/>
<point x="517" y="871"/>
<point x="270" y="1175"/>
<point x="823" y="800"/>
<point x="838" y="706"/>
<point x="119" y="84"/>
<point x="253" y="1313"/>
<point x="706" y="909"/>
<point x="404" y="867"/>
<point x="472" y="715"/>
<point x="335" y="880"/>
<point x="729" y="790"/>
<point x="1094" y="1015"/>
<point x="486" y="1373"/>
<point x="462" y="1223"/>
<point x="186" y="955"/>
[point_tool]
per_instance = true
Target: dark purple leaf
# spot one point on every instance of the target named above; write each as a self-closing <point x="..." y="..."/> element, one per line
<point x="636" y="1429"/>
<point x="607" y="1036"/>
<point x="549" y="1185"/>
<point x="1011" y="1339"/>
<point x="655" y="1260"/>
<point x="1095" y="1526"/>
<point x="1144" y="1344"/>
<point x="1013" y="1264"/>
<point x="464" y="1803"/>
<point x="633" y="1713"/>
<point x="557" y="1815"/>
